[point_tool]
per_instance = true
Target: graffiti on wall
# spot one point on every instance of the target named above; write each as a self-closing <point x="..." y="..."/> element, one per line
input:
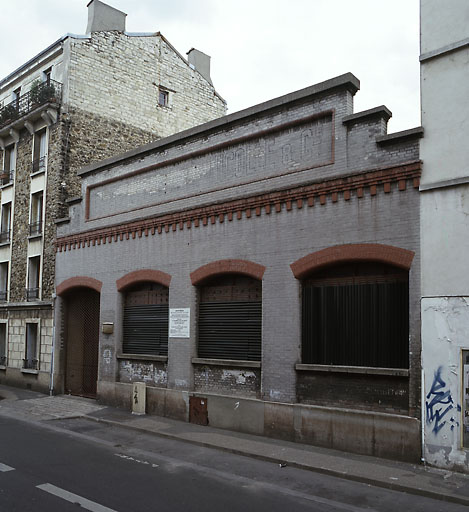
<point x="439" y="404"/>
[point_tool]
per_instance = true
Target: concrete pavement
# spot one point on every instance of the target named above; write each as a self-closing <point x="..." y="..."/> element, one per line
<point x="414" y="479"/>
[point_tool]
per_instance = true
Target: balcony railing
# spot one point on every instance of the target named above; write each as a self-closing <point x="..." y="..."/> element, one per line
<point x="6" y="177"/>
<point x="3" y="295"/>
<point x="30" y="364"/>
<point x="39" y="164"/>
<point x="39" y="94"/>
<point x="35" y="228"/>
<point x="4" y="237"/>
<point x="32" y="293"/>
<point x="3" y="360"/>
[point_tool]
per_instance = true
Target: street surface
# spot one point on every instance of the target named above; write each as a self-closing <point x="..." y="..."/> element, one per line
<point x="66" y="463"/>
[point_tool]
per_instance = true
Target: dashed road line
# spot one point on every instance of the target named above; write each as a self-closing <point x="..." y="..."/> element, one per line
<point x="4" y="468"/>
<point x="74" y="498"/>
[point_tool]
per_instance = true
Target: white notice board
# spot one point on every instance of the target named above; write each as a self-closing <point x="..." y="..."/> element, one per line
<point x="179" y="322"/>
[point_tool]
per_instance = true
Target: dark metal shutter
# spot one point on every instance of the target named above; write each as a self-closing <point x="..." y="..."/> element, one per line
<point x="230" y="318"/>
<point x="146" y="329"/>
<point x="146" y="321"/>
<point x="230" y="330"/>
<point x="356" y="324"/>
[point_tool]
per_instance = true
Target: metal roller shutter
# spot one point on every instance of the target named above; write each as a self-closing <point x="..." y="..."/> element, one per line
<point x="230" y="330"/>
<point x="146" y="329"/>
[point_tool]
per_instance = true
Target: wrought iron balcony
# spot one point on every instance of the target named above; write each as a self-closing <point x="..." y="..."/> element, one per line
<point x="30" y="364"/>
<point x="39" y="164"/>
<point x="35" y="228"/>
<point x="40" y="94"/>
<point x="6" y="177"/>
<point x="32" y="293"/>
<point x="4" y="236"/>
<point x="3" y="295"/>
<point x="3" y="360"/>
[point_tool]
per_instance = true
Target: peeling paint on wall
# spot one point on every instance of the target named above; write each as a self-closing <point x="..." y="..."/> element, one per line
<point x="152" y="373"/>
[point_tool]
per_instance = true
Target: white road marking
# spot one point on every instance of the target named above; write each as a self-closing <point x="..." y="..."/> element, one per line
<point x="128" y="457"/>
<point x="4" y="468"/>
<point x="74" y="498"/>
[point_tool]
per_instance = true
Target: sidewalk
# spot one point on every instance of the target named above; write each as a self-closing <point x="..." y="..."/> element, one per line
<point x="400" y="476"/>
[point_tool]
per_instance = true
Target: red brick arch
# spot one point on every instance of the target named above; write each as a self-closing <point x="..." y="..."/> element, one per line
<point x="79" y="282"/>
<point x="247" y="268"/>
<point x="144" y="275"/>
<point x="389" y="254"/>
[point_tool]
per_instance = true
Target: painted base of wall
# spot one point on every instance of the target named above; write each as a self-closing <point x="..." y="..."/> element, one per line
<point x="445" y="348"/>
<point x="14" y="377"/>
<point x="368" y="433"/>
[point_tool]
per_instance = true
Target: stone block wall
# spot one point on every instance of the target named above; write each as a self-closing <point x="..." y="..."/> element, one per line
<point x="117" y="76"/>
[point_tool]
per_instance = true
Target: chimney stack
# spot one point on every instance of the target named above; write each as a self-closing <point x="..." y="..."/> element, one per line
<point x="200" y="62"/>
<point x="103" y="17"/>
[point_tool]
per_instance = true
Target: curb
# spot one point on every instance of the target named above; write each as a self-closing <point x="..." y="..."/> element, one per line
<point x="440" y="496"/>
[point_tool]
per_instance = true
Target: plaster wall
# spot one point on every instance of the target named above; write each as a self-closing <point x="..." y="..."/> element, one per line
<point x="442" y="23"/>
<point x="445" y="116"/>
<point x="445" y="244"/>
<point x="445" y="331"/>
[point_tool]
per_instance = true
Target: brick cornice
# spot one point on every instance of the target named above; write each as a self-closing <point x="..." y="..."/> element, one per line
<point x="372" y="182"/>
<point x="79" y="282"/>
<point x="144" y="275"/>
<point x="389" y="254"/>
<point x="229" y="266"/>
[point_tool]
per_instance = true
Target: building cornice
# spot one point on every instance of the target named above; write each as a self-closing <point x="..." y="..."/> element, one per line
<point x="284" y="200"/>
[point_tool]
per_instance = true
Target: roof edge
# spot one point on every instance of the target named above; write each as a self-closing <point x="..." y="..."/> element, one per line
<point x="346" y="81"/>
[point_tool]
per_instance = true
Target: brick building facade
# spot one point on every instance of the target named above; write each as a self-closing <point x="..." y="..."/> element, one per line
<point x="260" y="272"/>
<point x="82" y="99"/>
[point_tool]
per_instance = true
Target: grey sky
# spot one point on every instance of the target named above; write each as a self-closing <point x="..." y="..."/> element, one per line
<point x="260" y="48"/>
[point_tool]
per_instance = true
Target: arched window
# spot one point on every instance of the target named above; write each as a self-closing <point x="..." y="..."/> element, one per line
<point x="146" y="319"/>
<point x="230" y="318"/>
<point x="356" y="314"/>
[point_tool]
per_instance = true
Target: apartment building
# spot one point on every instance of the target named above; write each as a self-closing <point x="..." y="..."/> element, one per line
<point x="82" y="99"/>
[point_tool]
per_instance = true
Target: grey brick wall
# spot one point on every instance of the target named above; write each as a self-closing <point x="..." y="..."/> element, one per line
<point x="274" y="238"/>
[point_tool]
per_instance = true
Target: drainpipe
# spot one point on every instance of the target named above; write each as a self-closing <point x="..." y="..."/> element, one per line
<point x="52" y="363"/>
<point x="422" y="414"/>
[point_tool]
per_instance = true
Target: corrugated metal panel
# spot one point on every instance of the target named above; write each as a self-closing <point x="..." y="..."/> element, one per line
<point x="230" y="330"/>
<point x="146" y="329"/>
<point x="356" y="325"/>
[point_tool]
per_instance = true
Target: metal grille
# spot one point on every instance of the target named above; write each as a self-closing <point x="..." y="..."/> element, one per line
<point x="146" y="329"/>
<point x="230" y="330"/>
<point x="146" y="322"/>
<point x="364" y="324"/>
<point x="82" y="342"/>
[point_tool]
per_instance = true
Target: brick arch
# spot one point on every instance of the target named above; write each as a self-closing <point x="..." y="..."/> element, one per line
<point x="247" y="268"/>
<point x="79" y="282"/>
<point x="389" y="254"/>
<point x="144" y="275"/>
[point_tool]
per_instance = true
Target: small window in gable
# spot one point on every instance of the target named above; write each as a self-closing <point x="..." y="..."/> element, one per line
<point x="163" y="98"/>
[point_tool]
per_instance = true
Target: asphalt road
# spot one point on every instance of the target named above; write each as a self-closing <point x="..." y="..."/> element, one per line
<point x="76" y="463"/>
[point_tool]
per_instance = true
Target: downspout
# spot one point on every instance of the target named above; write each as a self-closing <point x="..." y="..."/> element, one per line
<point x="52" y="363"/>
<point x="422" y="415"/>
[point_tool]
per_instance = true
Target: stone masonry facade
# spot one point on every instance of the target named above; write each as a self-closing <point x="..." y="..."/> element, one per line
<point x="109" y="104"/>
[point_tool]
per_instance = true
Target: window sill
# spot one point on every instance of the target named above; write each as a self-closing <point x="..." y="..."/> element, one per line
<point x="33" y="237"/>
<point x="142" y="357"/>
<point x="38" y="173"/>
<point x="5" y="244"/>
<point x="226" y="362"/>
<point x="364" y="370"/>
<point x="6" y="185"/>
<point x="27" y="370"/>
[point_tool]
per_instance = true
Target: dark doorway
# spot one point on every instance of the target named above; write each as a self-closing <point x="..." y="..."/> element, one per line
<point x="82" y="342"/>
